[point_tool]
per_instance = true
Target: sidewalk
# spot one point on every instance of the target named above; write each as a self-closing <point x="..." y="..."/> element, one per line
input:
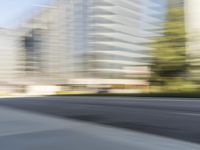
<point x="21" y="130"/>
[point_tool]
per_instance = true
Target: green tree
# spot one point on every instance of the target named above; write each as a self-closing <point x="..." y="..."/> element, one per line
<point x="169" y="63"/>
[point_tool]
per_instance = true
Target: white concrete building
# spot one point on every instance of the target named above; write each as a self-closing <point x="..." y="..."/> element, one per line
<point x="110" y="38"/>
<point x="9" y="55"/>
<point x="192" y="13"/>
<point x="10" y="60"/>
<point x="95" y="40"/>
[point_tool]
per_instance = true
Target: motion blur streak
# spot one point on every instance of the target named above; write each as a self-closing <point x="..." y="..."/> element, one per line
<point x="85" y="45"/>
<point x="162" y="116"/>
<point x="32" y="131"/>
<point x="116" y="46"/>
<point x="81" y="68"/>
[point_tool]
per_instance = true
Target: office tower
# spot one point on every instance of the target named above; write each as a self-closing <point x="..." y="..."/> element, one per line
<point x="46" y="48"/>
<point x="97" y="41"/>
<point x="111" y="39"/>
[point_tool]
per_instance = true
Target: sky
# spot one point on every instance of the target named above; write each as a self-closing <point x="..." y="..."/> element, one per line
<point x="14" y="11"/>
<point x="11" y="11"/>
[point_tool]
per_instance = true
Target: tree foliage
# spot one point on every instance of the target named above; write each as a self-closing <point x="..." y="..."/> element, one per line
<point x="169" y="53"/>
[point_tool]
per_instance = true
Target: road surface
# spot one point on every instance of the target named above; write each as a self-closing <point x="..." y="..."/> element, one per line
<point x="174" y="118"/>
<point x="22" y="130"/>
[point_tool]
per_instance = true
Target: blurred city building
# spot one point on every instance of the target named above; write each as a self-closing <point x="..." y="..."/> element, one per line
<point x="103" y="43"/>
<point x="192" y="15"/>
<point x="88" y="42"/>
<point x="11" y="62"/>
<point x="45" y="46"/>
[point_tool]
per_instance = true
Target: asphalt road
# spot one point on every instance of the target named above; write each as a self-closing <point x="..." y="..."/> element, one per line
<point x="176" y="118"/>
<point x="23" y="130"/>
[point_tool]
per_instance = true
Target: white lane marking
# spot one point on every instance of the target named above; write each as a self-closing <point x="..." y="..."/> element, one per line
<point x="191" y="114"/>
